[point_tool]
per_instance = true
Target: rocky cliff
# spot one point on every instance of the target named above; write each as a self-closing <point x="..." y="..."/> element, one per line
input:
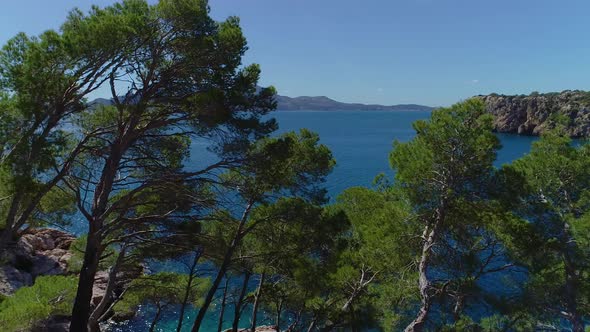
<point x="535" y="113"/>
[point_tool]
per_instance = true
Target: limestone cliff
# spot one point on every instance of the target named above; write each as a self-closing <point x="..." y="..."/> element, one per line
<point x="535" y="113"/>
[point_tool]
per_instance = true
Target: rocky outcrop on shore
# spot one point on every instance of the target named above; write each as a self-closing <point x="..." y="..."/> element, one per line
<point x="37" y="252"/>
<point x="535" y="113"/>
<point x="47" y="252"/>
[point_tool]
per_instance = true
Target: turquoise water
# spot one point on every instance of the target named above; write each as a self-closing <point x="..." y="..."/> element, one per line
<point x="360" y="142"/>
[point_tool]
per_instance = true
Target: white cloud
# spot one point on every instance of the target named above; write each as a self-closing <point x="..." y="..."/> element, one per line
<point x="474" y="81"/>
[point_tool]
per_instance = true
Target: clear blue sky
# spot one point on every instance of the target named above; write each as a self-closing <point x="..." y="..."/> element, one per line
<point x="432" y="52"/>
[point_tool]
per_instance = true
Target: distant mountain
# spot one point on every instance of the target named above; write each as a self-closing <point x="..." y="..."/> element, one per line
<point x="320" y="103"/>
<point x="101" y="101"/>
<point x="323" y="103"/>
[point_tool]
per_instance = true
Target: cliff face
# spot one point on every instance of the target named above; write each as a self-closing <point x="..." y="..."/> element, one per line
<point x="534" y="114"/>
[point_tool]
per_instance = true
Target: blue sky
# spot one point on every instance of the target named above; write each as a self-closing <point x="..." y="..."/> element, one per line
<point x="432" y="52"/>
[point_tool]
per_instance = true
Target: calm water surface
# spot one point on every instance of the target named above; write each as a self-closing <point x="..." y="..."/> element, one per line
<point x="361" y="141"/>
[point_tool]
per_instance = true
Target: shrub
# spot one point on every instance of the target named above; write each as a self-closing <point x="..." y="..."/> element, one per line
<point x="49" y="296"/>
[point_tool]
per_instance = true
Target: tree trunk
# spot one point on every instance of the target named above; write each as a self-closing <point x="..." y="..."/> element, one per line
<point x="238" y="307"/>
<point x="293" y="325"/>
<point x="278" y="318"/>
<point x="430" y="234"/>
<point x="458" y="309"/>
<point x="6" y="236"/>
<point x="572" y="280"/>
<point x="417" y="324"/>
<point x="191" y="278"/>
<point x="311" y="325"/>
<point x="211" y="293"/>
<point x="8" y="232"/>
<point x="577" y="323"/>
<point x="222" y="270"/>
<point x="571" y="291"/>
<point x="222" y="311"/>
<point x="257" y="301"/>
<point x="353" y="321"/>
<point x="82" y="305"/>
<point x="108" y="294"/>
<point x="156" y="317"/>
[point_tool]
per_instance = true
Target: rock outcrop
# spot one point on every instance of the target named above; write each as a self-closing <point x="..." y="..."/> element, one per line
<point x="52" y="324"/>
<point x="47" y="252"/>
<point x="37" y="252"/>
<point x="12" y="279"/>
<point x="535" y="113"/>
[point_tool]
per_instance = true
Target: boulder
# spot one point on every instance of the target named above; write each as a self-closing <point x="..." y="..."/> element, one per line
<point x="100" y="285"/>
<point x="37" y="252"/>
<point x="53" y="324"/>
<point x="12" y="279"/>
<point x="46" y="252"/>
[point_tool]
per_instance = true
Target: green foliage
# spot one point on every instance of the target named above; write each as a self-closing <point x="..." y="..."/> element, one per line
<point x="553" y="239"/>
<point x="6" y="191"/>
<point x="77" y="249"/>
<point x="161" y="289"/>
<point x="50" y="295"/>
<point x="381" y="243"/>
<point x="294" y="226"/>
<point x="381" y="225"/>
<point x="456" y="146"/>
<point x="447" y="179"/>
<point x="292" y="163"/>
<point x="43" y="83"/>
<point x="296" y="244"/>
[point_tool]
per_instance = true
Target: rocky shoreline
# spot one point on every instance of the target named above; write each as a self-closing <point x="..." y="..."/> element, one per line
<point x="42" y="252"/>
<point x="534" y="114"/>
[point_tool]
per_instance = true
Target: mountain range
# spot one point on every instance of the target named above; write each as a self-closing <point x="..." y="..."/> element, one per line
<point x="322" y="103"/>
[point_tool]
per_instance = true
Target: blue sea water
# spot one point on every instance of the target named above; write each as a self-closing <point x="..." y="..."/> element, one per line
<point x="360" y="142"/>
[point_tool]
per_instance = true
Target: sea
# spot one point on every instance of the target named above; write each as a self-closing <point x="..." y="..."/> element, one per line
<point x="360" y="142"/>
